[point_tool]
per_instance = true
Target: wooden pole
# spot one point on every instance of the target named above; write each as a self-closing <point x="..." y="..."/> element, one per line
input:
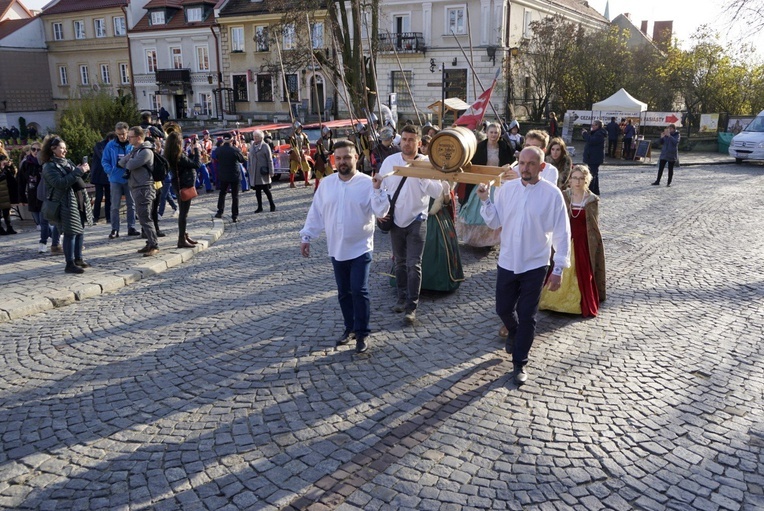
<point x="475" y="74"/>
<point x="315" y="67"/>
<point x="286" y="85"/>
<point x="373" y="64"/>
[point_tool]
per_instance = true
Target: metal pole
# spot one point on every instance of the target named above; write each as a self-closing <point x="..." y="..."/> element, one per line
<point x="418" y="116"/>
<point x="472" y="56"/>
<point x="475" y="74"/>
<point x="286" y="85"/>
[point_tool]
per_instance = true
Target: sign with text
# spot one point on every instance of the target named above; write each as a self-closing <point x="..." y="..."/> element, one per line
<point x="709" y="123"/>
<point x="645" y="118"/>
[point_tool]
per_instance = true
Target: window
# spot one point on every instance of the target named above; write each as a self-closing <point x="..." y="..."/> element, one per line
<point x="124" y="73"/>
<point x="317" y="35"/>
<point x="264" y="88"/>
<point x="455" y="81"/>
<point x="100" y="27"/>
<point x="84" y="79"/>
<point x="157" y="17"/>
<point x="399" y="80"/>
<point x="194" y="14"/>
<point x="79" y="30"/>
<point x="237" y="39"/>
<point x="455" y="20"/>
<point x="288" y="37"/>
<point x="261" y="38"/>
<point x="293" y="89"/>
<point x="155" y="103"/>
<point x="240" y="91"/>
<point x="151" y="61"/>
<point x="202" y="58"/>
<point x="58" y="32"/>
<point x="105" y="78"/>
<point x="205" y="100"/>
<point x="176" y="57"/>
<point x="527" y="24"/>
<point x="62" y="78"/>
<point x="401" y="23"/>
<point x="119" y="26"/>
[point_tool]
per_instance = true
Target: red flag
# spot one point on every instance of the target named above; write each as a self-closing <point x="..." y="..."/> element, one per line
<point x="474" y="114"/>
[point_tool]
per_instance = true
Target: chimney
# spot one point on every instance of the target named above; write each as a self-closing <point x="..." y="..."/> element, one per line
<point x="628" y="15"/>
<point x="662" y="33"/>
<point x="643" y="27"/>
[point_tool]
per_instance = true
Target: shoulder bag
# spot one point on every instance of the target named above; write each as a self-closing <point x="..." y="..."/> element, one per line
<point x="386" y="223"/>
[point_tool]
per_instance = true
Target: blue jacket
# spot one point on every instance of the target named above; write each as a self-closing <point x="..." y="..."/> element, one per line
<point x="613" y="130"/>
<point x="111" y="155"/>
<point x="594" y="150"/>
<point x="628" y="131"/>
<point x="670" y="150"/>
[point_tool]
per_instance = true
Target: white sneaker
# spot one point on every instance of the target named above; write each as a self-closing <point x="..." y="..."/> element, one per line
<point x="41" y="249"/>
<point x="174" y="213"/>
<point x="159" y="217"/>
<point x="38" y="227"/>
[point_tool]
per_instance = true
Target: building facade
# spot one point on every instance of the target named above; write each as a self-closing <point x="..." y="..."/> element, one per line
<point x="174" y="48"/>
<point x="87" y="48"/>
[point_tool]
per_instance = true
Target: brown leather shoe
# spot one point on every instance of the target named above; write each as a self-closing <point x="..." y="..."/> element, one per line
<point x="503" y="332"/>
<point x="151" y="252"/>
<point x="185" y="244"/>
<point x="189" y="240"/>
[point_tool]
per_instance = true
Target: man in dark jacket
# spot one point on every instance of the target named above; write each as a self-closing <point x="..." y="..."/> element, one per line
<point x="139" y="164"/>
<point x="594" y="153"/>
<point x="613" y="130"/>
<point x="228" y="158"/>
<point x="100" y="180"/>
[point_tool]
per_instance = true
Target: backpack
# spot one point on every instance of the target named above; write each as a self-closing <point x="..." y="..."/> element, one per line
<point x="160" y="168"/>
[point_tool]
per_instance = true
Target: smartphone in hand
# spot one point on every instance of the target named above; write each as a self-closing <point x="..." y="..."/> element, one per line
<point x="84" y="159"/>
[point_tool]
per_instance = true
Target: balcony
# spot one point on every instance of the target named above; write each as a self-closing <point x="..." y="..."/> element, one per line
<point x="402" y="42"/>
<point x="173" y="81"/>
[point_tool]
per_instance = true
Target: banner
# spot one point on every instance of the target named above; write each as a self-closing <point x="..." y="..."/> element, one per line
<point x="474" y="114"/>
<point x="709" y="123"/>
<point x="643" y="118"/>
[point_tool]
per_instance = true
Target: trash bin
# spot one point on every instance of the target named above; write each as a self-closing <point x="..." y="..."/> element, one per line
<point x="724" y="140"/>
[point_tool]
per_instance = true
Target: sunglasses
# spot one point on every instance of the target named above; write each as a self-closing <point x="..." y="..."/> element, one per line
<point x="35" y="149"/>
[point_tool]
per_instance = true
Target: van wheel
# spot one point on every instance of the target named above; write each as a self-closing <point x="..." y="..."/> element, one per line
<point x="738" y="160"/>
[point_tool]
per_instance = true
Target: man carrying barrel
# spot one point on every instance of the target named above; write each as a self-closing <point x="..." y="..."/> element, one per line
<point x="409" y="231"/>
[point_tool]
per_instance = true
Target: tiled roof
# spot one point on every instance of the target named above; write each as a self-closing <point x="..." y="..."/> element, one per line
<point x="8" y="27"/>
<point x="5" y="5"/>
<point x="154" y="4"/>
<point x="582" y="7"/>
<point x="65" y="6"/>
<point x="176" y="22"/>
<point x="239" y="7"/>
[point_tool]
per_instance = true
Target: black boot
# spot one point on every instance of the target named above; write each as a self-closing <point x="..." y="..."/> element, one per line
<point x="73" y="268"/>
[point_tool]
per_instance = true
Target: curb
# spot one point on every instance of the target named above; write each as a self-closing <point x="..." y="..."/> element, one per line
<point x="53" y="299"/>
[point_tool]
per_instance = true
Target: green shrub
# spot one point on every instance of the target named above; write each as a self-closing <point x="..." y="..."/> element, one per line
<point x="79" y="136"/>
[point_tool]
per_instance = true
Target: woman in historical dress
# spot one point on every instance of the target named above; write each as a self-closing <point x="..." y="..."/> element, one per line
<point x="557" y="155"/>
<point x="583" y="284"/>
<point x="470" y="227"/>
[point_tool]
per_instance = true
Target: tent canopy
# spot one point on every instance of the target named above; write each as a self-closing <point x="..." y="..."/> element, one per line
<point x="621" y="101"/>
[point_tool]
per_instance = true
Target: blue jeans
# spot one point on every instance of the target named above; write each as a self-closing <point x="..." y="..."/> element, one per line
<point x="165" y="196"/>
<point x="48" y="230"/>
<point x="37" y="216"/>
<point x="408" y="247"/>
<point x="72" y="247"/>
<point x="517" y="303"/>
<point x="352" y="278"/>
<point x="203" y="177"/>
<point x="117" y="191"/>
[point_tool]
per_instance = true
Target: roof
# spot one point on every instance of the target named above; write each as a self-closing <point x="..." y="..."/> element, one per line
<point x="64" y="6"/>
<point x="8" y="27"/>
<point x="154" y="4"/>
<point x="239" y="7"/>
<point x="177" y="21"/>
<point x="581" y="7"/>
<point x="451" y="104"/>
<point x="5" y="6"/>
<point x="622" y="101"/>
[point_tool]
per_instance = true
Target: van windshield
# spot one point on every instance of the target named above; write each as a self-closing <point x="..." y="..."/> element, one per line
<point x="756" y="126"/>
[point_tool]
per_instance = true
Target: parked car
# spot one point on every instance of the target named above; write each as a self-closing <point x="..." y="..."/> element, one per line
<point x="342" y="129"/>
<point x="749" y="143"/>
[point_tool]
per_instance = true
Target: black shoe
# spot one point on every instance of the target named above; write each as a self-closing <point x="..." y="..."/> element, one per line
<point x="235" y="220"/>
<point x="144" y="249"/>
<point x="360" y="345"/>
<point x="81" y="263"/>
<point x="519" y="375"/>
<point x="114" y="234"/>
<point x="2" y="232"/>
<point x="10" y="230"/>
<point x="400" y="305"/>
<point x="346" y="336"/>
<point x="73" y="268"/>
<point x="133" y="232"/>
<point x="219" y="215"/>
<point x="160" y="234"/>
<point x="259" y="210"/>
<point x="273" y="208"/>
<point x="668" y="184"/>
<point x="655" y="183"/>
<point x="210" y="191"/>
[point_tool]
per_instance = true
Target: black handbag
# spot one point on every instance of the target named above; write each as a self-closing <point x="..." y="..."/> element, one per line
<point x="386" y="222"/>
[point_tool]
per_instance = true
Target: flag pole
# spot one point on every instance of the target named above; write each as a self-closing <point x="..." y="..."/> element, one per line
<point x="474" y="73"/>
<point x="472" y="55"/>
<point x="286" y="85"/>
<point x="315" y="68"/>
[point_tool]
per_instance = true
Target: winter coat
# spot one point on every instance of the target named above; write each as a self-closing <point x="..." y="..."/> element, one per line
<point x="184" y="173"/>
<point x="260" y="156"/>
<point x="506" y="153"/>
<point x="228" y="157"/>
<point x="112" y="153"/>
<point x="30" y="176"/>
<point x="613" y="130"/>
<point x="139" y="162"/>
<point x="670" y="150"/>
<point x="9" y="192"/>
<point x="629" y="131"/>
<point x="594" y="150"/>
<point x="60" y="175"/>
<point x="98" y="175"/>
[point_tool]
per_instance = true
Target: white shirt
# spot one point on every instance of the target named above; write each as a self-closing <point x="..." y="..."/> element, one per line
<point x="414" y="199"/>
<point x="344" y="210"/>
<point x="548" y="173"/>
<point x="533" y="219"/>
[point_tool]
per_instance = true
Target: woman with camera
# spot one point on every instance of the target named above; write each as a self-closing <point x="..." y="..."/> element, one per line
<point x="669" y="153"/>
<point x="69" y="206"/>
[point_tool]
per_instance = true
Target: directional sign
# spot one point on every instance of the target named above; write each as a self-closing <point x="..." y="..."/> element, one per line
<point x="434" y="84"/>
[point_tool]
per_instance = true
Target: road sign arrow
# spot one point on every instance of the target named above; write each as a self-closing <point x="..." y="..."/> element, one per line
<point x="671" y="118"/>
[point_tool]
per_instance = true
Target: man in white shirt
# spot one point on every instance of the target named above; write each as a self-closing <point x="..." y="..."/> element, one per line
<point x="540" y="139"/>
<point x="533" y="218"/>
<point x="342" y="206"/>
<point x="409" y="231"/>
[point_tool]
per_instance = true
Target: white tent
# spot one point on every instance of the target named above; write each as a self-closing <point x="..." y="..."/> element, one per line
<point x="620" y="104"/>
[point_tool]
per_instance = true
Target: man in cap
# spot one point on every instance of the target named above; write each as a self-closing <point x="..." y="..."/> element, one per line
<point x="384" y="147"/>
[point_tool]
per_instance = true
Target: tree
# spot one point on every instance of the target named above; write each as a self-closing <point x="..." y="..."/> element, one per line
<point x="750" y="13"/>
<point x="78" y="135"/>
<point x="544" y="58"/>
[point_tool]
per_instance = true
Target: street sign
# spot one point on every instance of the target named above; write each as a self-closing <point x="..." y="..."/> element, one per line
<point x="434" y="84"/>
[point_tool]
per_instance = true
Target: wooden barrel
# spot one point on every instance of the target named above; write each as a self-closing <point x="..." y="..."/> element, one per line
<point x="452" y="148"/>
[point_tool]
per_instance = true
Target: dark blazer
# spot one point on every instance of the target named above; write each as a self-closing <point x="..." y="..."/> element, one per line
<point x="228" y="157"/>
<point x="184" y="174"/>
<point x="506" y="153"/>
<point x="594" y="150"/>
<point x="97" y="173"/>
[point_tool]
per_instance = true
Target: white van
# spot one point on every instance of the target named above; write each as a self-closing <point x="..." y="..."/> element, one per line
<point x="749" y="143"/>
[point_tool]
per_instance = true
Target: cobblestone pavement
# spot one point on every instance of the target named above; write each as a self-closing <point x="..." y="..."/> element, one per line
<point x="216" y="384"/>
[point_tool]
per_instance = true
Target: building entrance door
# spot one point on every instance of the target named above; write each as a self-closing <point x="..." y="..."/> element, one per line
<point x="181" y="106"/>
